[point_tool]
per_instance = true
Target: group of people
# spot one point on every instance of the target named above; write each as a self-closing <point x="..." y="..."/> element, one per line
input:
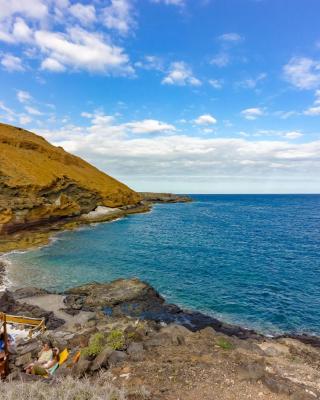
<point x="47" y="362"/>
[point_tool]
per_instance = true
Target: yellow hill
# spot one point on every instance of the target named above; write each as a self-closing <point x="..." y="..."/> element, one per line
<point x="40" y="182"/>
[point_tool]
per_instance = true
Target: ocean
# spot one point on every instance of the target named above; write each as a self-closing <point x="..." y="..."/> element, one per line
<point x="251" y="260"/>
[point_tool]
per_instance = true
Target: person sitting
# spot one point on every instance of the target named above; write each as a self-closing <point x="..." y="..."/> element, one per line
<point x="45" y="369"/>
<point x="45" y="356"/>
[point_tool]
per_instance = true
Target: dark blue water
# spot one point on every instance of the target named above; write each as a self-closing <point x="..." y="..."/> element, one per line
<point x="252" y="260"/>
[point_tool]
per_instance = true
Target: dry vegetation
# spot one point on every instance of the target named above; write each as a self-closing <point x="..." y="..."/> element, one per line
<point x="66" y="389"/>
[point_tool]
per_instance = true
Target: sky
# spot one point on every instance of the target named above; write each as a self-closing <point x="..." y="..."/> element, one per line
<point x="186" y="96"/>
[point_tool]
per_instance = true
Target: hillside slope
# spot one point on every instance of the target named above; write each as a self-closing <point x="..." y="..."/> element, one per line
<point x="40" y="183"/>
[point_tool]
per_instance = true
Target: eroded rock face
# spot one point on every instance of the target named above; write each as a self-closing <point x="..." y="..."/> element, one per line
<point x="41" y="183"/>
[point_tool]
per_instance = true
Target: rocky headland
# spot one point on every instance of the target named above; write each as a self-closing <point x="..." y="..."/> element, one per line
<point x="149" y="349"/>
<point x="150" y="197"/>
<point x="44" y="189"/>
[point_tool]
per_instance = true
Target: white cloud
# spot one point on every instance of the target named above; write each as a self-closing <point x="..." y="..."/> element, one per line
<point x="205" y="119"/>
<point x="303" y="73"/>
<point x="25" y="119"/>
<point x="180" y="74"/>
<point x="86" y="14"/>
<point x="23" y="96"/>
<point x="50" y="64"/>
<point x="36" y="9"/>
<point x="231" y="37"/>
<point x="315" y="110"/>
<point x="292" y="135"/>
<point x="118" y="16"/>
<point x="220" y="60"/>
<point x="80" y="49"/>
<point x="251" y="83"/>
<point x="13" y="116"/>
<point x="9" y="114"/>
<point x="216" y="83"/>
<point x="21" y="31"/>
<point x="149" y="126"/>
<point x="111" y="147"/>
<point x="33" y="111"/>
<point x="252" y="113"/>
<point x="12" y="63"/>
<point x="151" y="63"/>
<point x="170" y="2"/>
<point x="285" y="114"/>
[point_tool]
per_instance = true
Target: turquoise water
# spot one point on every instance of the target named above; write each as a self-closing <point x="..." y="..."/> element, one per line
<point x="250" y="260"/>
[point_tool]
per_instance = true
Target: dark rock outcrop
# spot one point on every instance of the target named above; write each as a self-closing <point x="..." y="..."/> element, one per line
<point x="9" y="305"/>
<point x="150" y="197"/>
<point x="134" y="298"/>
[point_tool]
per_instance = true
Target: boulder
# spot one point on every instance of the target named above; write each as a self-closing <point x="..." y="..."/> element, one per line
<point x="24" y="360"/>
<point x="101" y="361"/>
<point x="81" y="368"/>
<point x="177" y="333"/>
<point x="117" y="357"/>
<point x="120" y="291"/>
<point x="29" y="292"/>
<point x="33" y="347"/>
<point x="274" y="349"/>
<point x="136" y="351"/>
<point x="252" y="371"/>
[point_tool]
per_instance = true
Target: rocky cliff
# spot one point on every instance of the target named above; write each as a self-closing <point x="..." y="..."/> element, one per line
<point x="41" y="183"/>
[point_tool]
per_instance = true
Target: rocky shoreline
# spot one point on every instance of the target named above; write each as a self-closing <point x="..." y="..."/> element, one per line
<point x="147" y="340"/>
<point x="39" y="235"/>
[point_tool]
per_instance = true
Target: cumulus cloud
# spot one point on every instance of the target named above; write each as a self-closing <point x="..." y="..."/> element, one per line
<point x="231" y="37"/>
<point x="50" y="64"/>
<point x="119" y="16"/>
<point x="303" y="72"/>
<point x="216" y="83"/>
<point x="62" y="45"/>
<point x="252" y="113"/>
<point x="181" y="74"/>
<point x="149" y="126"/>
<point x="35" y="9"/>
<point x="12" y="63"/>
<point x="23" y="96"/>
<point x="80" y="49"/>
<point x="86" y="14"/>
<point x="21" y="31"/>
<point x="205" y="119"/>
<point x="220" y="60"/>
<point x="112" y="148"/>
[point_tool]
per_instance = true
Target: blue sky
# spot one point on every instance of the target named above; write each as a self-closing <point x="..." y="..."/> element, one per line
<point x="206" y="96"/>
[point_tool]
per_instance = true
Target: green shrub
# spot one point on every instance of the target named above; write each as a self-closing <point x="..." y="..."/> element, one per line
<point x="224" y="343"/>
<point x="116" y="339"/>
<point x="97" y="343"/>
